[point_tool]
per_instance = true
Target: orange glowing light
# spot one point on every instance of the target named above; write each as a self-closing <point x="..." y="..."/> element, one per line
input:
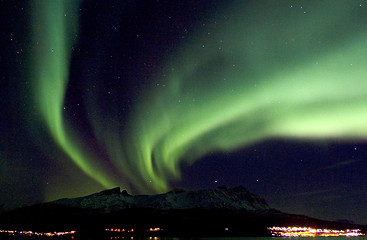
<point x="312" y="232"/>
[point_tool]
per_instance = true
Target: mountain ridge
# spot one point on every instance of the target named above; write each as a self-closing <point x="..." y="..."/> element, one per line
<point x="218" y="198"/>
<point x="181" y="213"/>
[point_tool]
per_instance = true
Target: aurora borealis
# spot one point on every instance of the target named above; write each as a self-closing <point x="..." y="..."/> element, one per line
<point x="150" y="96"/>
<point x="52" y="60"/>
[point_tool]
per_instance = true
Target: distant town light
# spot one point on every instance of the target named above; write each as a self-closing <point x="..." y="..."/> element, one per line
<point x="155" y="229"/>
<point x="312" y="232"/>
<point x="30" y="233"/>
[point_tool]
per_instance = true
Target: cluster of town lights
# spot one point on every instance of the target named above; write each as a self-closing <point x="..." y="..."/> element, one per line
<point x="31" y="233"/>
<point x="119" y="230"/>
<point x="312" y="232"/>
<point x="156" y="229"/>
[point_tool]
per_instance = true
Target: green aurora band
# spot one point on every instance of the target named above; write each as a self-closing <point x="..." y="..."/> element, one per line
<point x="54" y="24"/>
<point x="270" y="71"/>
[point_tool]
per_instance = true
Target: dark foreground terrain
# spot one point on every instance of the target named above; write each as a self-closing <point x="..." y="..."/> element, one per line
<point x="217" y="217"/>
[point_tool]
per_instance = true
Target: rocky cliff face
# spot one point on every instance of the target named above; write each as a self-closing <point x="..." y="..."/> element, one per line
<point x="221" y="197"/>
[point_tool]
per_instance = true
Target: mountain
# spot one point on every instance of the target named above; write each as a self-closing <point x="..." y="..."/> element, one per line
<point x="219" y="198"/>
<point x="179" y="213"/>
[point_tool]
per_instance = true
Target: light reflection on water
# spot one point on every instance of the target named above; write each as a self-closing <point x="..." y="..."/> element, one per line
<point x="245" y="238"/>
<point x="188" y="238"/>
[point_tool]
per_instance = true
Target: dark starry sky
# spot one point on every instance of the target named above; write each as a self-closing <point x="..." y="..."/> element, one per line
<point x="122" y="48"/>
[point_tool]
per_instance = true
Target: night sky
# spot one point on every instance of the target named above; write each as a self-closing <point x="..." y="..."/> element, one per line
<point x="156" y="95"/>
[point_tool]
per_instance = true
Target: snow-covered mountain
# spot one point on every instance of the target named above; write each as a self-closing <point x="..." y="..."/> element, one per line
<point x="221" y="197"/>
<point x="219" y="212"/>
